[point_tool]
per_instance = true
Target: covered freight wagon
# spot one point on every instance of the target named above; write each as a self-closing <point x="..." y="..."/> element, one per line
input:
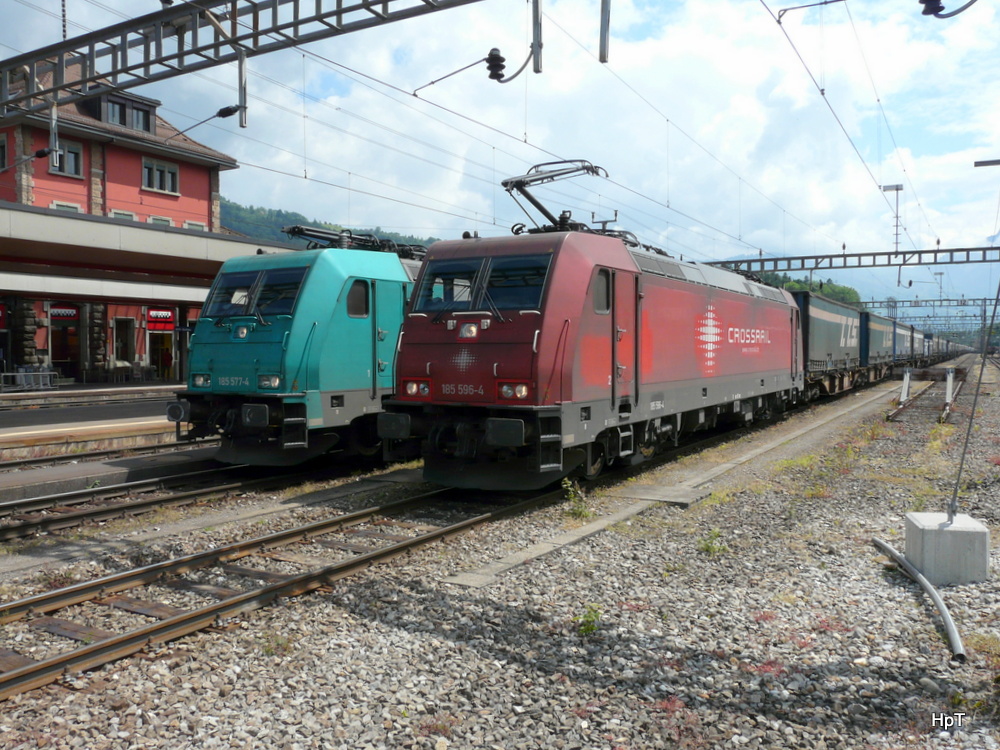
<point x="831" y="339"/>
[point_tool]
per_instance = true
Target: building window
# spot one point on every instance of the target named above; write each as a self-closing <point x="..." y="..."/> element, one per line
<point x="200" y="226"/>
<point x="68" y="160"/>
<point x="142" y="119"/>
<point x="116" y="112"/>
<point x="116" y="214"/>
<point x="3" y="151"/>
<point x="162" y="221"/>
<point x="71" y="207"/>
<point x="160" y="176"/>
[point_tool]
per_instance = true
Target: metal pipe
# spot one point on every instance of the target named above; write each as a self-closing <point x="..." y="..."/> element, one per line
<point x="957" y="649"/>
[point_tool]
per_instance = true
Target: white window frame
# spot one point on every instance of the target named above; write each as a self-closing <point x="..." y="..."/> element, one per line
<point x="165" y="167"/>
<point x="116" y="213"/>
<point x="160" y="221"/>
<point x="199" y="225"/>
<point x="65" y="206"/>
<point x="66" y="147"/>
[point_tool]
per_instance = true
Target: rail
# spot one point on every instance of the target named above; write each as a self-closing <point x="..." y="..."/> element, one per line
<point x="21" y="674"/>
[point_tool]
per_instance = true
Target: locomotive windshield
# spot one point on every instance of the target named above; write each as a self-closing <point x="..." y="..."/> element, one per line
<point x="492" y="283"/>
<point x="269" y="292"/>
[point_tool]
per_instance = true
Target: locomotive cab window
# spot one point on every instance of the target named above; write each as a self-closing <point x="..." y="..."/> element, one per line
<point x="516" y="283"/>
<point x="279" y="290"/>
<point x="602" y="292"/>
<point x="492" y="283"/>
<point x="269" y="292"/>
<point x="447" y="284"/>
<point x="357" y="300"/>
<point x="229" y="294"/>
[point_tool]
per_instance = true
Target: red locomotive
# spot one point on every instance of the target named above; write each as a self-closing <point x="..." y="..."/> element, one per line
<point x="524" y="359"/>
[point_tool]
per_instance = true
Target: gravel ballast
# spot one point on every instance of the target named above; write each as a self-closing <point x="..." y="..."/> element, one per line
<point x="761" y="617"/>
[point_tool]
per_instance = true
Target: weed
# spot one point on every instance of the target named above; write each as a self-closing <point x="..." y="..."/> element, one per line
<point x="439" y="724"/>
<point x="988" y="645"/>
<point x="589" y="620"/>
<point x="276" y="645"/>
<point x="719" y="497"/>
<point x="831" y="625"/>
<point x="679" y="722"/>
<point x="816" y="492"/>
<point x="50" y="580"/>
<point x="771" y="667"/>
<point x="592" y="707"/>
<point x="805" y="463"/>
<point x="786" y="597"/>
<point x="577" y="500"/>
<point x="939" y="437"/>
<point x="711" y="543"/>
<point x="765" y="616"/>
<point x="875" y="431"/>
<point x="672" y="568"/>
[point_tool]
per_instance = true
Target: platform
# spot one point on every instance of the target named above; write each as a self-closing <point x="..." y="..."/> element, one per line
<point x="18" y="485"/>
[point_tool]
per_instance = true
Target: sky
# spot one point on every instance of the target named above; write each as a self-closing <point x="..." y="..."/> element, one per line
<point x="724" y="134"/>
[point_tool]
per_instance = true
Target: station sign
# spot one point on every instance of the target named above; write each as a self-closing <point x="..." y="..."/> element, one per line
<point x="64" y="313"/>
<point x="160" y="319"/>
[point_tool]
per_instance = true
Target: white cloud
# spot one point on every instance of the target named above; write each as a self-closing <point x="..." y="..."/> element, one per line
<point x="704" y="107"/>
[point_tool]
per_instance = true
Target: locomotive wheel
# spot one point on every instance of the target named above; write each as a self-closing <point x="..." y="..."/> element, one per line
<point x="596" y="462"/>
<point x="364" y="440"/>
<point x="648" y="446"/>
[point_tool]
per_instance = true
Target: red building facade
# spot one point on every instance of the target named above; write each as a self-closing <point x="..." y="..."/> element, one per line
<point x="111" y="157"/>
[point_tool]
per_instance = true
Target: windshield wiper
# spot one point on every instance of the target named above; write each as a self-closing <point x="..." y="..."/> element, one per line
<point x="488" y="298"/>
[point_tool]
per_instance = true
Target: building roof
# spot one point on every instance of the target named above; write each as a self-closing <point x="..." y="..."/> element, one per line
<point x="79" y="118"/>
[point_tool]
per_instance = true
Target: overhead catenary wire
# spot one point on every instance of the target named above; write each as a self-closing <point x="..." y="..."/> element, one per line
<point x="707" y="225"/>
<point x="670" y="228"/>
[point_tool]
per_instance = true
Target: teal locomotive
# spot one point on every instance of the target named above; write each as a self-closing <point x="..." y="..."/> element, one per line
<point x="294" y="352"/>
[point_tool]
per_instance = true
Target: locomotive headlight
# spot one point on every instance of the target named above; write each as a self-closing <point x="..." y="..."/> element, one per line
<point x="240" y="332"/>
<point x="513" y="390"/>
<point x="417" y="388"/>
<point x="468" y="331"/>
<point x="201" y="380"/>
<point x="268" y="381"/>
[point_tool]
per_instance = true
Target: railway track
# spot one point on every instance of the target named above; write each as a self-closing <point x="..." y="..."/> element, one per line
<point x="47" y="513"/>
<point x="34" y="462"/>
<point x="205" y="591"/>
<point x="162" y="600"/>
<point x="938" y="394"/>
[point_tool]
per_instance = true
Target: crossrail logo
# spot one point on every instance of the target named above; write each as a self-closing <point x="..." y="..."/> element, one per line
<point x="463" y="360"/>
<point x="707" y="335"/>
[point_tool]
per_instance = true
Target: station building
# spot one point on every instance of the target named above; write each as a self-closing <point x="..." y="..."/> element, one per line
<point x="108" y="242"/>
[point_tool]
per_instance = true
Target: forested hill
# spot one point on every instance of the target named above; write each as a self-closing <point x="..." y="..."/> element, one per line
<point x="830" y="290"/>
<point x="264" y="224"/>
